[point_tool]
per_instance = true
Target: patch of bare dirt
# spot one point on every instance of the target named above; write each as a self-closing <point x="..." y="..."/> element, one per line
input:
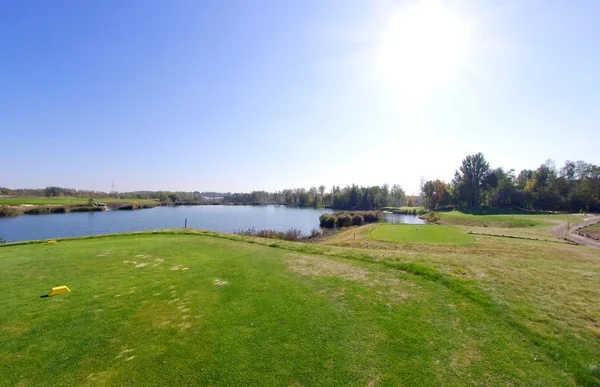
<point x="571" y="233"/>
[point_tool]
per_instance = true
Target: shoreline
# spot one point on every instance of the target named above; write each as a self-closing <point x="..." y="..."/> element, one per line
<point x="7" y="211"/>
<point x="47" y="209"/>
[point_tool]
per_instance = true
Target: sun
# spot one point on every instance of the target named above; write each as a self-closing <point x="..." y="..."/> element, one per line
<point x="422" y="49"/>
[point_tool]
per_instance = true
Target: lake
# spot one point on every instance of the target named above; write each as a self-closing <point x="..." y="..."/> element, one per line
<point x="214" y="218"/>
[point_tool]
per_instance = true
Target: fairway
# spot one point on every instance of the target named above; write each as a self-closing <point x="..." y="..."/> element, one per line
<point x="211" y="309"/>
<point x="422" y="233"/>
<point x="505" y="220"/>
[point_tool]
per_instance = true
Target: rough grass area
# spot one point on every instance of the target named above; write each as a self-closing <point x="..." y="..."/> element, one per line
<point x="503" y="221"/>
<point x="212" y="309"/>
<point x="421" y="233"/>
<point x="592" y="231"/>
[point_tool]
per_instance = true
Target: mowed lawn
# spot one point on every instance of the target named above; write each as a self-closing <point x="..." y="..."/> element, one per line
<point x="506" y="220"/>
<point x="181" y="309"/>
<point x="421" y="233"/>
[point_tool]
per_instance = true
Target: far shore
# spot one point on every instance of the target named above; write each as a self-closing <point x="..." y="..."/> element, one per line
<point x="81" y="205"/>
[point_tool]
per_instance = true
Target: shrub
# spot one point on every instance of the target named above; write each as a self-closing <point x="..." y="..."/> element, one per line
<point x="344" y="220"/>
<point x="371" y="216"/>
<point x="432" y="217"/>
<point x="327" y="220"/>
<point x="289" y="235"/>
<point x="357" y="220"/>
<point x="9" y="211"/>
<point x="315" y="232"/>
<point x="44" y="210"/>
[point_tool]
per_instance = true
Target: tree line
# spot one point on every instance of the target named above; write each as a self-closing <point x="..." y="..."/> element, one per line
<point x="352" y="197"/>
<point x="348" y="198"/>
<point x="575" y="187"/>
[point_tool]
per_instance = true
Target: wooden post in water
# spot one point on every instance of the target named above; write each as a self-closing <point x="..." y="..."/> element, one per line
<point x="185" y="225"/>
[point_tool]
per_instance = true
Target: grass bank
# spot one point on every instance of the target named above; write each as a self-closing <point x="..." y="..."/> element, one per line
<point x="41" y="206"/>
<point x="19" y="201"/>
<point x="591" y="231"/>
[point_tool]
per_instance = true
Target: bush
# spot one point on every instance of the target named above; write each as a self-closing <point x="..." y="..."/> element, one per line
<point x="347" y="219"/>
<point x="357" y="220"/>
<point x="327" y="220"/>
<point x="289" y="235"/>
<point x="315" y="232"/>
<point x="44" y="210"/>
<point x="9" y="211"/>
<point x="372" y="216"/>
<point x="344" y="220"/>
<point x="432" y="217"/>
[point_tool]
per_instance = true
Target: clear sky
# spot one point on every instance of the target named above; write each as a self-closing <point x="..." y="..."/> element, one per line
<point x="244" y="95"/>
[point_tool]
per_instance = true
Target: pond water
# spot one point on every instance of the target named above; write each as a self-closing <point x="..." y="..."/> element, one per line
<point x="214" y="218"/>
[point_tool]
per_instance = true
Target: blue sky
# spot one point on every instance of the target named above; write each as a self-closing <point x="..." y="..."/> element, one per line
<point x="244" y="95"/>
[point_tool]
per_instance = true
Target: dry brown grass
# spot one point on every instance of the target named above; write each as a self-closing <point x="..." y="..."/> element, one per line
<point x="317" y="266"/>
<point x="553" y="287"/>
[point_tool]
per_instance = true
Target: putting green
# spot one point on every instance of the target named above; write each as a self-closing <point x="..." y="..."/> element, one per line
<point x="421" y="233"/>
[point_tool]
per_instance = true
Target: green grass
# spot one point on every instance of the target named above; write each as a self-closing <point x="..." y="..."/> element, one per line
<point x="249" y="314"/>
<point x="422" y="233"/>
<point x="504" y="220"/>
<point x="18" y="201"/>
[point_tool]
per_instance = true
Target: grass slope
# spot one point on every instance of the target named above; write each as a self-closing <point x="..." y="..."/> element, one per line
<point x="421" y="233"/>
<point x="176" y="309"/>
<point x="591" y="230"/>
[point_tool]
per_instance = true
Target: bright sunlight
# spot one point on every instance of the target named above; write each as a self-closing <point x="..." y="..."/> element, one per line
<point x="422" y="49"/>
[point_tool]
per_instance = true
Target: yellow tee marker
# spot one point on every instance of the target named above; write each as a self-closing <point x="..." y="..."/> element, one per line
<point x="59" y="290"/>
<point x="51" y="242"/>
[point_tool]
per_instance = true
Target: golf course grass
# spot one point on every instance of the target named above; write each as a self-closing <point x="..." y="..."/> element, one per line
<point x="421" y="233"/>
<point x="504" y="220"/>
<point x="201" y="308"/>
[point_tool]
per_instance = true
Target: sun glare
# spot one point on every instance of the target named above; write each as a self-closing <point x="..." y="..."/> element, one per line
<point x="422" y="49"/>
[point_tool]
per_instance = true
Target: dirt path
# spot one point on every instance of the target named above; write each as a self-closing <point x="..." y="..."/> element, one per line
<point x="567" y="231"/>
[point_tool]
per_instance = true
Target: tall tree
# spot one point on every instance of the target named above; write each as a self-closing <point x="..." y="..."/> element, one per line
<point x="471" y="180"/>
<point x="435" y="194"/>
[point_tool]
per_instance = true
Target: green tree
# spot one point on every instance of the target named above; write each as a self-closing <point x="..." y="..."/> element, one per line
<point x="435" y="194"/>
<point x="397" y="196"/>
<point x="472" y="179"/>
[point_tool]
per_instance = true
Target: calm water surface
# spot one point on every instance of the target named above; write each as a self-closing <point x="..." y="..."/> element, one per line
<point x="214" y="218"/>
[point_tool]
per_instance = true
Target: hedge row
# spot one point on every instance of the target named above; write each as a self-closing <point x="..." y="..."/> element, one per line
<point x="347" y="219"/>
